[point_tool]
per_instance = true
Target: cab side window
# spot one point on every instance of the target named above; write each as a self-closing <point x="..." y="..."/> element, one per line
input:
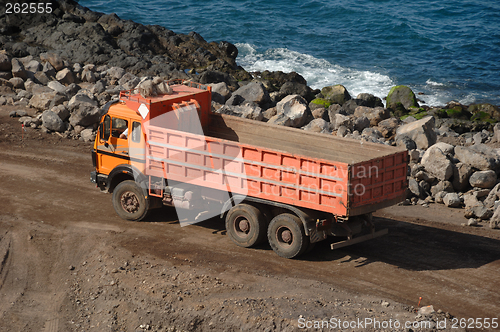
<point x="118" y="127"/>
<point x="136" y="132"/>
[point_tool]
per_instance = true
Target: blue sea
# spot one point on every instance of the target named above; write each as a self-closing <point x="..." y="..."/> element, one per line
<point x="446" y="50"/>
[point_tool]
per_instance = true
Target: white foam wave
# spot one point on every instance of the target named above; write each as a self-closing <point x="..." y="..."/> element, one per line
<point x="318" y="72"/>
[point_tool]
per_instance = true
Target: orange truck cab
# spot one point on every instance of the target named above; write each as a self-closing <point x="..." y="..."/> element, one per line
<point x="288" y="186"/>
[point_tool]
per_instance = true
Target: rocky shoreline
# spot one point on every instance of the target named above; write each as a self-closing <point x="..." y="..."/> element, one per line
<point x="67" y="64"/>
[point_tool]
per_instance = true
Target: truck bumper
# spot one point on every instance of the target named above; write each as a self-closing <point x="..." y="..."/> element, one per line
<point x="93" y="177"/>
<point x="99" y="179"/>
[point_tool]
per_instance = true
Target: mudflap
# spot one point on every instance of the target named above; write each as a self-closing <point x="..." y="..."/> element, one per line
<point x="359" y="239"/>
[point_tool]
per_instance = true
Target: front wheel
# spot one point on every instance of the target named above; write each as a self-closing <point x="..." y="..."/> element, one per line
<point x="286" y="236"/>
<point x="130" y="202"/>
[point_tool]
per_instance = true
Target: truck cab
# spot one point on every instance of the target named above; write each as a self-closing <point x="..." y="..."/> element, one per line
<point x="119" y="144"/>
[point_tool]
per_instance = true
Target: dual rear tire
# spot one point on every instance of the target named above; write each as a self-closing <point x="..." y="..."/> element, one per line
<point x="247" y="226"/>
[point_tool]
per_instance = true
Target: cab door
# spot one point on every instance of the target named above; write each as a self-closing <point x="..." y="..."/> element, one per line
<point x="137" y="145"/>
<point x="112" y="148"/>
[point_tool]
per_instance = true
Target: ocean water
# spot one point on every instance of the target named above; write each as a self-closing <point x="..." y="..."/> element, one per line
<point x="445" y="50"/>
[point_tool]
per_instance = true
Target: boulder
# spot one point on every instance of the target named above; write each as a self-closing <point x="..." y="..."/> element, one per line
<point x="319" y="113"/>
<point x="49" y="70"/>
<point x="246" y="110"/>
<point x="421" y="131"/>
<point x="115" y="72"/>
<point x="343" y="131"/>
<point x="438" y="198"/>
<point x="53" y="122"/>
<point x="336" y="94"/>
<point x="18" y="69"/>
<point x="318" y="125"/>
<point x="447" y="149"/>
<point x="388" y="127"/>
<point x="350" y="106"/>
<point x="375" y="115"/>
<point x="493" y="196"/>
<point x="484" y="111"/>
<point x="343" y="120"/>
<point x="424" y="176"/>
<point x="17" y="82"/>
<point x="483" y="179"/>
<point x="370" y="100"/>
<point x="452" y="200"/>
<point x="415" y="189"/>
<point x="295" y="108"/>
<point x="372" y="133"/>
<point x="84" y="115"/>
<point x="401" y="96"/>
<point x="471" y="199"/>
<point x="84" y="110"/>
<point x="475" y="157"/>
<point x="5" y="75"/>
<point x="334" y="110"/>
<point x="495" y="219"/>
<point x="296" y="88"/>
<point x="89" y="76"/>
<point x="478" y="211"/>
<point x="269" y="113"/>
<point x="65" y="76"/>
<point x="496" y="132"/>
<point x="56" y="86"/>
<point x="361" y="123"/>
<point x="220" y="92"/>
<point x="54" y="59"/>
<point x="406" y="142"/>
<point x="252" y="92"/>
<point x="41" y="77"/>
<point x="32" y="67"/>
<point x="461" y="175"/>
<point x="5" y="63"/>
<point x="61" y="111"/>
<point x="87" y="135"/>
<point x="445" y="186"/>
<point x="480" y="137"/>
<point x="437" y="163"/>
<point x="41" y="101"/>
<point x="81" y="98"/>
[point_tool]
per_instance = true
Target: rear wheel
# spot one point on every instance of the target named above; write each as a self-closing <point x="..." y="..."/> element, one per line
<point x="286" y="235"/>
<point x="246" y="225"/>
<point x="129" y="201"/>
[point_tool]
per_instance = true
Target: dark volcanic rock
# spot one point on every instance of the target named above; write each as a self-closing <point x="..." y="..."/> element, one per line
<point x="76" y="34"/>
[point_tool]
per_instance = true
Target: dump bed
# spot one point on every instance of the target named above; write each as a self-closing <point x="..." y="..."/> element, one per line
<point x="316" y="171"/>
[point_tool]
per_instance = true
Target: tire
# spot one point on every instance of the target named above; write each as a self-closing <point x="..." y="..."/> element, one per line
<point x="286" y="236"/>
<point x="246" y="225"/>
<point x="129" y="201"/>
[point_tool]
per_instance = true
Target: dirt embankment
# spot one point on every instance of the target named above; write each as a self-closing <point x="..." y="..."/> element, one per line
<point x="68" y="263"/>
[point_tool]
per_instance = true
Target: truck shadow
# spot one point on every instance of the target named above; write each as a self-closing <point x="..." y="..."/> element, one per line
<point x="408" y="246"/>
<point x="414" y="247"/>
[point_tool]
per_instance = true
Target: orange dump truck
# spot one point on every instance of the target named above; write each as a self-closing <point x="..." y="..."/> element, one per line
<point x="289" y="186"/>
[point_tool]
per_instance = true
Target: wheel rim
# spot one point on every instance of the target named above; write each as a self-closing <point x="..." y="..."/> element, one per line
<point x="241" y="226"/>
<point x="284" y="236"/>
<point x="130" y="202"/>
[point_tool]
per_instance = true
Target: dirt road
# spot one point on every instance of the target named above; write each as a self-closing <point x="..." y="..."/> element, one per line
<point x="67" y="262"/>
